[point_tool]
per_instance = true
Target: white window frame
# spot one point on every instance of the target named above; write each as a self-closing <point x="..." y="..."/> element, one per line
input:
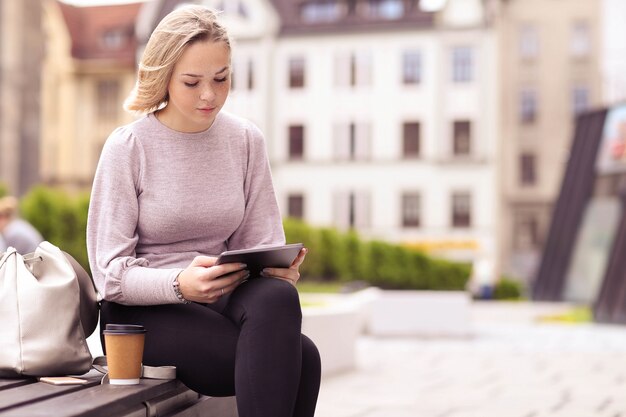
<point x="411" y="209"/>
<point x="353" y="69"/>
<point x="462" y="64"/>
<point x="352" y="209"/>
<point x="580" y="41"/>
<point x="412" y="67"/>
<point x="352" y="141"/>
<point x="528" y="41"/>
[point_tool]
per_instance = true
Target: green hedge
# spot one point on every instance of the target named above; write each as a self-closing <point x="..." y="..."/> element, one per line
<point x="61" y="219"/>
<point x="4" y="189"/>
<point x="335" y="256"/>
<point x="508" y="289"/>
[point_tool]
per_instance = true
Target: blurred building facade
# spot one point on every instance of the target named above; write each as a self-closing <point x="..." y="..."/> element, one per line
<point x="445" y="128"/>
<point x="364" y="102"/>
<point x="549" y="54"/>
<point x="21" y="54"/>
<point x="88" y="70"/>
<point x="613" y="62"/>
<point x="384" y="121"/>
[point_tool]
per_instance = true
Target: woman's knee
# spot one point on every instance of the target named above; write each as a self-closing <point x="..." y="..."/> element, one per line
<point x="311" y="359"/>
<point x="262" y="296"/>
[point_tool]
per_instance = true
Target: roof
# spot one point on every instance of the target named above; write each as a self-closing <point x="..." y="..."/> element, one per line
<point x="348" y="16"/>
<point x="102" y="32"/>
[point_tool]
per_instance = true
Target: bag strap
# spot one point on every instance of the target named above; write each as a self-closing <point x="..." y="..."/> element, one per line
<point x="5" y="255"/>
<point x="150" y="372"/>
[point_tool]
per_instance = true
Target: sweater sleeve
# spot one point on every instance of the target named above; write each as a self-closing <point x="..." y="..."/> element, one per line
<point x="261" y="224"/>
<point x="119" y="274"/>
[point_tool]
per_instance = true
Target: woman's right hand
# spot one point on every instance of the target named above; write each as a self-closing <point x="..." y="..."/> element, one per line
<point x="204" y="282"/>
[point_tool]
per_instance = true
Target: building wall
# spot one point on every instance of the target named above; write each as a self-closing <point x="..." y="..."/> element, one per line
<point x="552" y="72"/>
<point x="82" y="104"/>
<point x="20" y="60"/>
<point x="254" y="38"/>
<point x="383" y="175"/>
<point x="613" y="13"/>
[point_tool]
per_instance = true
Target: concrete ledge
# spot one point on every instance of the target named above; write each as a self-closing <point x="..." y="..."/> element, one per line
<point x="420" y="313"/>
<point x="334" y="329"/>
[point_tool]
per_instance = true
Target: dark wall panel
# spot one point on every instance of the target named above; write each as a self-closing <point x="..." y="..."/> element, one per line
<point x="610" y="307"/>
<point x="576" y="189"/>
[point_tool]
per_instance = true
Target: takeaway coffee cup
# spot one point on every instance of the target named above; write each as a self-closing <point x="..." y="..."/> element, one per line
<point x="124" y="352"/>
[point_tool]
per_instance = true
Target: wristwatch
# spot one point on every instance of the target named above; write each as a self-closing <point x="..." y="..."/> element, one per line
<point x="179" y="294"/>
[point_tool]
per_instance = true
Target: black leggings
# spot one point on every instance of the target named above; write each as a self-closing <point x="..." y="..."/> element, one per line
<point x="248" y="344"/>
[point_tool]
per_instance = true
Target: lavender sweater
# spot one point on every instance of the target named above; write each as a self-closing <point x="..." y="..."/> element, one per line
<point x="161" y="197"/>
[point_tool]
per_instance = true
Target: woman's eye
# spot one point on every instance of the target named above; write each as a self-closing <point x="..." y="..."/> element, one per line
<point x="191" y="84"/>
<point x="221" y="80"/>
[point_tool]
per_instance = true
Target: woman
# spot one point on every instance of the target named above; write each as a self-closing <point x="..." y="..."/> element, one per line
<point x="185" y="181"/>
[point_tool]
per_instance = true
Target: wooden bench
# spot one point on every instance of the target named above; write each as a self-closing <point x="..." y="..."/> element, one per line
<point x="152" y="397"/>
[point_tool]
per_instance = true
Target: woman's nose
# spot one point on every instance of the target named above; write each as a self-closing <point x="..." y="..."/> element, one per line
<point x="207" y="93"/>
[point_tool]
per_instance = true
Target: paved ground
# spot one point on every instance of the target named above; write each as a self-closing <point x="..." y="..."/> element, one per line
<point x="512" y="366"/>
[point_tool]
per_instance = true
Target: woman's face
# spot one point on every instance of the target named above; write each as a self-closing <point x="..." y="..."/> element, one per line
<point x="198" y="87"/>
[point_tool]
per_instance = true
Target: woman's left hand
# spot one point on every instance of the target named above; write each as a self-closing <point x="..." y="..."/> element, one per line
<point x="291" y="274"/>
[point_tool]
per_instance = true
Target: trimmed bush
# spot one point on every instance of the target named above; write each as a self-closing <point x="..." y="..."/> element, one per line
<point x="507" y="289"/>
<point x="60" y="218"/>
<point x="345" y="257"/>
<point x="297" y="231"/>
<point x="333" y="256"/>
<point x="357" y="263"/>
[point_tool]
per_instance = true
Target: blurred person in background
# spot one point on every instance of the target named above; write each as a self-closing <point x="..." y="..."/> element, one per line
<point x="14" y="231"/>
<point x="172" y="190"/>
<point x="482" y="281"/>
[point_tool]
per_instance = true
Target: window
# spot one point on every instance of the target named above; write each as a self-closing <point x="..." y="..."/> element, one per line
<point x="233" y="7"/>
<point x="108" y="99"/>
<point x="411" y="208"/>
<point x="296" y="142"/>
<point x="322" y="11"/>
<point x="580" y="42"/>
<point x="462" y="64"/>
<point x="580" y="100"/>
<point x="411" y="140"/>
<point x="242" y="74"/>
<point x="528" y="106"/>
<point x="296" y="72"/>
<point x="352" y="70"/>
<point x="461" y="145"/>
<point x="295" y="206"/>
<point x="526" y="234"/>
<point x="461" y="209"/>
<point x="412" y="68"/>
<point x="352" y="209"/>
<point x="528" y="42"/>
<point x="528" y="169"/>
<point x="384" y="9"/>
<point x="115" y="38"/>
<point x="352" y="141"/>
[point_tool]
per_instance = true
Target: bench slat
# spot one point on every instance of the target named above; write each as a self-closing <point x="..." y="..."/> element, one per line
<point x="12" y="383"/>
<point x="35" y="392"/>
<point x="97" y="401"/>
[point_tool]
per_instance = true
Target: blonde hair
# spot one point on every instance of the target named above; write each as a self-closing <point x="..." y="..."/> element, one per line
<point x="177" y="30"/>
<point x="8" y="206"/>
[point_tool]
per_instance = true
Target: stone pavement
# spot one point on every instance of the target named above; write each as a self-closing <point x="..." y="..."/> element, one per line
<point x="512" y="365"/>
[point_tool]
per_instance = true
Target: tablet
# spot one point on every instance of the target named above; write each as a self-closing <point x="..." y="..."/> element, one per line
<point x="280" y="256"/>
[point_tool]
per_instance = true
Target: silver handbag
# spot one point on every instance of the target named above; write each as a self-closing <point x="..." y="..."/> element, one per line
<point x="48" y="306"/>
